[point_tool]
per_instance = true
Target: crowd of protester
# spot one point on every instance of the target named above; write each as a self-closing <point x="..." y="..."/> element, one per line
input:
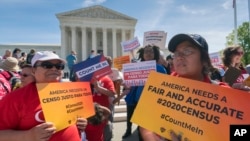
<point x="20" y="71"/>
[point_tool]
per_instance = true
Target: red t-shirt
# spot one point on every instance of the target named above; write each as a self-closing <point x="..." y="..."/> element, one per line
<point x="103" y="99"/>
<point x="206" y="80"/>
<point x="21" y="110"/>
<point x="95" y="132"/>
<point x="241" y="78"/>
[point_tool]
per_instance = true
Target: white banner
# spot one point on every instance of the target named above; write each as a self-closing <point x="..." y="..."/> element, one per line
<point x="157" y="38"/>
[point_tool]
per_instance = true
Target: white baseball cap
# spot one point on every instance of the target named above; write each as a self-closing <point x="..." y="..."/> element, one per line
<point x="45" y="56"/>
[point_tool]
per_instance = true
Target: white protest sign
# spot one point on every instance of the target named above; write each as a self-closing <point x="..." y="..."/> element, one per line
<point x="157" y="38"/>
<point x="136" y="74"/>
<point x="130" y="44"/>
<point x="215" y="59"/>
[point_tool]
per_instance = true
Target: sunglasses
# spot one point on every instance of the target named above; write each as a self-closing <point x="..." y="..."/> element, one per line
<point x="24" y="75"/>
<point x="240" y="53"/>
<point x="48" y="65"/>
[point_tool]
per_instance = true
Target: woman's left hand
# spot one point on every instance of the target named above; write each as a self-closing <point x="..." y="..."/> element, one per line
<point x="81" y="124"/>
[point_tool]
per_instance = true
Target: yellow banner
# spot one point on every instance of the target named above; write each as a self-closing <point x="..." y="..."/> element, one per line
<point x="63" y="102"/>
<point x="198" y="111"/>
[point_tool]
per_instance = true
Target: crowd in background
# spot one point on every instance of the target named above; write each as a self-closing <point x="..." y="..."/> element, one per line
<point x="189" y="58"/>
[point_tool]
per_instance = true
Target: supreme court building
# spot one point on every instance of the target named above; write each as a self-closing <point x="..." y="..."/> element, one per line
<point x="94" y="28"/>
<point x="82" y="30"/>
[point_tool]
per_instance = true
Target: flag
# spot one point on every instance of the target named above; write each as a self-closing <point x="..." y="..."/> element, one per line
<point x="234" y="3"/>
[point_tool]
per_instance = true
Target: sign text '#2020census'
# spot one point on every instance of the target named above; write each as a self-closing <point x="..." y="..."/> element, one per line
<point x="171" y="97"/>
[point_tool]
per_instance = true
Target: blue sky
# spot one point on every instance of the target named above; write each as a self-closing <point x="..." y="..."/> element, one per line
<point x="34" y="21"/>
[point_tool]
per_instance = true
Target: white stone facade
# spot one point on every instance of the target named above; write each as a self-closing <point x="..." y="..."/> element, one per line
<point x="94" y="28"/>
<point x="91" y="28"/>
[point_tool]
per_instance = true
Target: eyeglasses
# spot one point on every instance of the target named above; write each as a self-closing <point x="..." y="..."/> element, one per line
<point x="48" y="65"/>
<point x="184" y="53"/>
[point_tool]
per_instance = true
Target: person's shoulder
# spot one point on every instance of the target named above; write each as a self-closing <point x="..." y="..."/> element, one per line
<point x="106" y="78"/>
<point x="160" y="68"/>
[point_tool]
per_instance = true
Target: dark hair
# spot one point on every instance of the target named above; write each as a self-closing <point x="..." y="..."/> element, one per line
<point x="23" y="53"/>
<point x="16" y="50"/>
<point x="206" y="60"/>
<point x="169" y="57"/>
<point x="25" y="65"/>
<point x="228" y="53"/>
<point x="156" y="50"/>
<point x="98" y="117"/>
<point x="32" y="51"/>
<point x="215" y="74"/>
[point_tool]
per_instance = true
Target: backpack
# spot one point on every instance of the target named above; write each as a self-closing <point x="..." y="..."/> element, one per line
<point x="9" y="81"/>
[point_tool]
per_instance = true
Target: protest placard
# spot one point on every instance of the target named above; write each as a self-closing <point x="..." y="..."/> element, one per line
<point x="231" y="75"/>
<point x="197" y="110"/>
<point x="215" y="59"/>
<point x="157" y="38"/>
<point x="96" y="67"/>
<point x="130" y="44"/>
<point x="119" y="61"/>
<point x="63" y="103"/>
<point x="136" y="74"/>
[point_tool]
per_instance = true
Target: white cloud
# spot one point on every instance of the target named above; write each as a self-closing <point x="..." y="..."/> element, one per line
<point x="92" y="2"/>
<point x="216" y="39"/>
<point x="227" y="4"/>
<point x="188" y="10"/>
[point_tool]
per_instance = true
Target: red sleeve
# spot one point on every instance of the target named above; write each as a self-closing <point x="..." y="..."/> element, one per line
<point x="9" y="112"/>
<point x="108" y="84"/>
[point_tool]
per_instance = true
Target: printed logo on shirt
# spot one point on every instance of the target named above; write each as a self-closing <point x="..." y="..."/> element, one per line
<point x="39" y="116"/>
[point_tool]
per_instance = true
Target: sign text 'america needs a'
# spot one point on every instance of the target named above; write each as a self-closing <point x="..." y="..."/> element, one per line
<point x="195" y="109"/>
<point x="63" y="102"/>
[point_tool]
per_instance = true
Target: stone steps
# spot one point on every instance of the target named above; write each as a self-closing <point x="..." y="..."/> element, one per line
<point x="120" y="114"/>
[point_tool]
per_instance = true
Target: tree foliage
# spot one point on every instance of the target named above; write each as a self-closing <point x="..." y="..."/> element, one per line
<point x="243" y="38"/>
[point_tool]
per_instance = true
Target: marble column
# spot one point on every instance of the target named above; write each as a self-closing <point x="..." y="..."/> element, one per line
<point x="63" y="41"/>
<point x="131" y="31"/>
<point x="131" y="34"/>
<point x="104" y="41"/>
<point x="84" y="44"/>
<point x="123" y="39"/>
<point x="114" y="47"/>
<point x="93" y="29"/>
<point x="73" y="38"/>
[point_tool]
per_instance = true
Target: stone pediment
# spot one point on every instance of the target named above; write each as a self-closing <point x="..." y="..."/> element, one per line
<point x="96" y="12"/>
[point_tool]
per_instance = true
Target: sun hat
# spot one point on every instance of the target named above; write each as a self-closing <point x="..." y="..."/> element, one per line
<point x="45" y="56"/>
<point x="116" y="74"/>
<point x="10" y="64"/>
<point x="194" y="38"/>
